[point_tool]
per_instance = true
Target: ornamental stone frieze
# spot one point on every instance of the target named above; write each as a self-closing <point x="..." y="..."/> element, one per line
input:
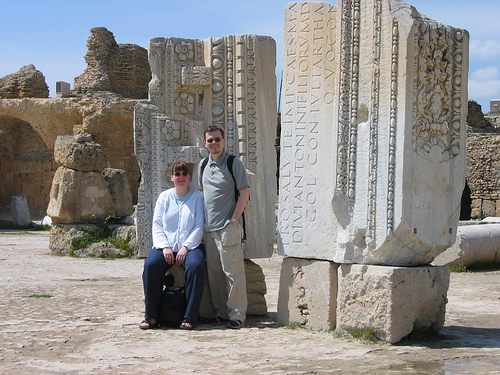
<point x="227" y="81"/>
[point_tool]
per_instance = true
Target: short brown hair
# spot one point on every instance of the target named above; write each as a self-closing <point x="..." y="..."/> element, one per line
<point x="180" y="166"/>
<point x="214" y="128"/>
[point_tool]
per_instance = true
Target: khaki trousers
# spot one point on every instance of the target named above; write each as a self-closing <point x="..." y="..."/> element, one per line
<point x="226" y="272"/>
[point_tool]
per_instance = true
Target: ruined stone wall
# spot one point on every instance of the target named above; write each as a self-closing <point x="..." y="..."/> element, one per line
<point x="26" y="163"/>
<point x="119" y="68"/>
<point x="25" y="83"/>
<point x="483" y="162"/>
<point x="29" y="128"/>
<point x="483" y="173"/>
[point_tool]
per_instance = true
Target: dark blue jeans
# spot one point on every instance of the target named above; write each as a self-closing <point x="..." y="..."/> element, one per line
<point x="153" y="278"/>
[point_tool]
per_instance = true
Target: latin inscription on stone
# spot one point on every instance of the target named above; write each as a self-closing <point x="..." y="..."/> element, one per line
<point x="373" y="131"/>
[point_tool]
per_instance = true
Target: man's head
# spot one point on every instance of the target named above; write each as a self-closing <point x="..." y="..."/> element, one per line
<point x="214" y="140"/>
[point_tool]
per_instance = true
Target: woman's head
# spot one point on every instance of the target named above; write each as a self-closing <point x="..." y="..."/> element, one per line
<point x="181" y="168"/>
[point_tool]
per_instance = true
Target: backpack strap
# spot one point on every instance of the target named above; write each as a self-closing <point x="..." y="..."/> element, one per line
<point x="230" y="161"/>
<point x="202" y="169"/>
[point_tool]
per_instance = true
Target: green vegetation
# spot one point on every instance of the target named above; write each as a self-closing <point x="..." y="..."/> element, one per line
<point x="30" y="226"/>
<point x="491" y="265"/>
<point x="40" y="296"/>
<point x="102" y="234"/>
<point x="294" y="325"/>
<point x="365" y="336"/>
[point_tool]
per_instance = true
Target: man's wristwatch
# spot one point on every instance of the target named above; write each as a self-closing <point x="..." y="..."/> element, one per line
<point x="234" y="221"/>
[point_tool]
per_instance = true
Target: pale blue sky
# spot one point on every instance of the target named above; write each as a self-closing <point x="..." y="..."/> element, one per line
<point x="52" y="34"/>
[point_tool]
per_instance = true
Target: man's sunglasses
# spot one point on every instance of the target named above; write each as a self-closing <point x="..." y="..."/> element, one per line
<point x="216" y="139"/>
<point x="177" y="174"/>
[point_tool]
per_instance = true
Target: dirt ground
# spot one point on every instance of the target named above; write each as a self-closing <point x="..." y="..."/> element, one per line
<point x="62" y="315"/>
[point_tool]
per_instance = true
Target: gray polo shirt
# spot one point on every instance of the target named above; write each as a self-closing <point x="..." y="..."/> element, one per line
<point x="218" y="190"/>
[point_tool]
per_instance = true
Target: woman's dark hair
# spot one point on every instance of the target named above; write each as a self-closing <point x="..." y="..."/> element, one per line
<point x="181" y="166"/>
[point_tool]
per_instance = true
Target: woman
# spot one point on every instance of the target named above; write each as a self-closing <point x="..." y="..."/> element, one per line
<point x="177" y="235"/>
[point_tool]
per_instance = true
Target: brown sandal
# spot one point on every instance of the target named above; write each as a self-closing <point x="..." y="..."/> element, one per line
<point x="187" y="324"/>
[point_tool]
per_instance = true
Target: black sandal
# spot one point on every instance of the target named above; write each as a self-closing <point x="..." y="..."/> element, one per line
<point x="187" y="324"/>
<point x="149" y="324"/>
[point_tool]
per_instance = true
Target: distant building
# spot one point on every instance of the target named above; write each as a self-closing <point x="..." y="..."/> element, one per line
<point x="495" y="106"/>
<point x="62" y="89"/>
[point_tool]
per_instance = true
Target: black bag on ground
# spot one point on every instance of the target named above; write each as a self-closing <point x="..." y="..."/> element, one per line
<point x="172" y="306"/>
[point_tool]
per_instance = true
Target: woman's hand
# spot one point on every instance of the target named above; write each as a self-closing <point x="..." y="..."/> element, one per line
<point x="181" y="256"/>
<point x="168" y="254"/>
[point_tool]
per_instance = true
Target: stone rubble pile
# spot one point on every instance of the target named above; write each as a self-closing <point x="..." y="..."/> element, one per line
<point x="27" y="82"/>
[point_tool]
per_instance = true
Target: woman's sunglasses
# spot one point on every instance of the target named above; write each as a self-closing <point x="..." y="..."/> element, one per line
<point x="177" y="174"/>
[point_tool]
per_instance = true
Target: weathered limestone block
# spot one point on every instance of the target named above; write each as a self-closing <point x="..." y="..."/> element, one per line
<point x="308" y="293"/>
<point x="64" y="236"/>
<point x="126" y="232"/>
<point x="373" y="133"/>
<point x="227" y="81"/>
<point x="30" y="129"/>
<point x="256" y="289"/>
<point x="20" y="210"/>
<point x="475" y="243"/>
<point x="27" y="82"/>
<point x="79" y="153"/>
<point x="79" y="197"/>
<point x="391" y="301"/>
<point x="119" y="188"/>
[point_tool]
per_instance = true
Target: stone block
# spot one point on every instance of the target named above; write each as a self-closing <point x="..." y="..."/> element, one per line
<point x="79" y="154"/>
<point x="79" y="197"/>
<point x="119" y="188"/>
<point x="373" y="136"/>
<point x="475" y="243"/>
<point x="308" y="293"/>
<point x="20" y="210"/>
<point x="488" y="207"/>
<point x="256" y="288"/>
<point x="63" y="237"/>
<point x="126" y="232"/>
<point x="476" y="208"/>
<point x="391" y="302"/>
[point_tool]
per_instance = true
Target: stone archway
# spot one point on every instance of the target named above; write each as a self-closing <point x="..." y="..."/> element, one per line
<point x="465" y="207"/>
<point x="26" y="164"/>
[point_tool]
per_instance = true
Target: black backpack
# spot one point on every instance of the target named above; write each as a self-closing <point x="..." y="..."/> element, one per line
<point x="172" y="306"/>
<point x="230" y="160"/>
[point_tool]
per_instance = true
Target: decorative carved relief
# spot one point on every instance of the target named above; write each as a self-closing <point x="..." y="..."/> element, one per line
<point x="391" y="173"/>
<point x="184" y="51"/>
<point x="344" y="98"/>
<point x="437" y="85"/>
<point x="374" y="124"/>
<point x="197" y="83"/>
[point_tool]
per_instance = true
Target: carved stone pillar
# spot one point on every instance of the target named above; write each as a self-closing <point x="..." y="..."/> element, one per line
<point x="195" y="83"/>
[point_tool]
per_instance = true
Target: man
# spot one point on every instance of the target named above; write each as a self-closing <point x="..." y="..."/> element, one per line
<point x="225" y="262"/>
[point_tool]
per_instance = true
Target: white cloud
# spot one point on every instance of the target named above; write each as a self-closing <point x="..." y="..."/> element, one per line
<point x="484" y="85"/>
<point x="485" y="74"/>
<point x="485" y="90"/>
<point x="484" y="49"/>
